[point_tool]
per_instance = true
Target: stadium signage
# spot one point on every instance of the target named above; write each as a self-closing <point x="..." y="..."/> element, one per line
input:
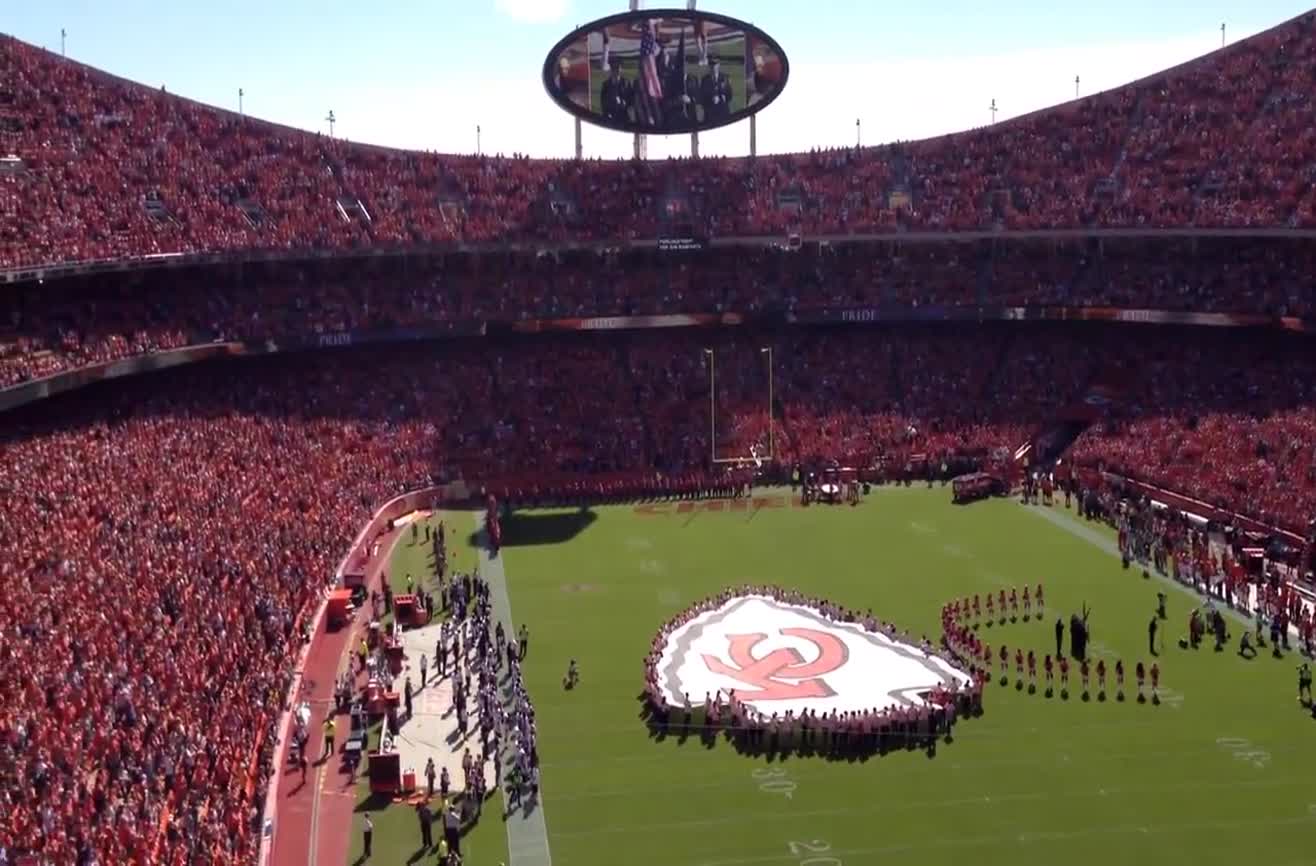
<point x="778" y="656"/>
<point x="680" y="245"/>
<point x="665" y="71"/>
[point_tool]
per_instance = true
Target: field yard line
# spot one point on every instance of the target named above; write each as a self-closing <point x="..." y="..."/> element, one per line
<point x="951" y="841"/>
<point x="886" y="808"/>
<point x="800" y="770"/>
<point x="1073" y="527"/>
<point x="527" y="834"/>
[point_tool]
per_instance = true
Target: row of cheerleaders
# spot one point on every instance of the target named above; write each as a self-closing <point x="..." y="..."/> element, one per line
<point x="961" y="618"/>
<point x="876" y="730"/>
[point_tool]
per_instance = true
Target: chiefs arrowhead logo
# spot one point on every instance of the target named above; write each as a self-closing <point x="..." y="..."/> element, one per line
<point x="779" y="656"/>
<point x="782" y="674"/>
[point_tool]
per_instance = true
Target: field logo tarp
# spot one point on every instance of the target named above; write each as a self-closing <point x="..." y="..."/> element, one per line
<point x="777" y="656"/>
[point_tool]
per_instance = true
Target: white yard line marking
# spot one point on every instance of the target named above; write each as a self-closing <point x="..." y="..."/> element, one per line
<point x="1078" y="530"/>
<point x="951" y="841"/>
<point x="527" y="834"/>
<point x="914" y="806"/>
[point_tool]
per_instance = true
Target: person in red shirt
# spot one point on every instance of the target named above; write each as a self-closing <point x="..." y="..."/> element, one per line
<point x="1155" y="680"/>
<point x="1119" y="679"/>
<point x="1101" y="679"/>
<point x="1083" y="673"/>
<point x="1019" y="668"/>
<point x="1064" y="673"/>
<point x="1047" y="666"/>
<point x="1140" y="673"/>
<point x="1041" y="605"/>
<point x="1032" y="672"/>
<point x="1028" y="604"/>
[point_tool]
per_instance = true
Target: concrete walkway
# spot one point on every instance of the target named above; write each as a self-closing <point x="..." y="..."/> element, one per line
<point x="431" y="732"/>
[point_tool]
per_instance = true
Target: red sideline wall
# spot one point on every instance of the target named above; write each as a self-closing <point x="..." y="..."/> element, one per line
<point x="386" y="513"/>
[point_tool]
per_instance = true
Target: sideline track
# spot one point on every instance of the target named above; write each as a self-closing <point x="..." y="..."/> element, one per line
<point x="315" y="820"/>
<point x="527" y="833"/>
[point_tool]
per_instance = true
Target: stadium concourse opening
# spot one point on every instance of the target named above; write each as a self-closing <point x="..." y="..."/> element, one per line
<point x="230" y="352"/>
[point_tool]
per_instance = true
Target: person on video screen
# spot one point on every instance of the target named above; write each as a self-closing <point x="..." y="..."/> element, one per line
<point x="715" y="93"/>
<point x="616" y="98"/>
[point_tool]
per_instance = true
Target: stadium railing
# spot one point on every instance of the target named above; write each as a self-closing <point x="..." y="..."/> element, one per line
<point x="376" y="526"/>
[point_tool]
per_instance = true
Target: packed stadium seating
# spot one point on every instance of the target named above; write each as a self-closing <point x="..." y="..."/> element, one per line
<point x="112" y="169"/>
<point x="242" y="480"/>
<point x="54" y="326"/>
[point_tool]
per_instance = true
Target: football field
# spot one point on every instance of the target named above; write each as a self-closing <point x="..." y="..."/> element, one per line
<point x="1219" y="772"/>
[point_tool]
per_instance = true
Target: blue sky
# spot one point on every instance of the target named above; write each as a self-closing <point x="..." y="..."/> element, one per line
<point x="423" y="74"/>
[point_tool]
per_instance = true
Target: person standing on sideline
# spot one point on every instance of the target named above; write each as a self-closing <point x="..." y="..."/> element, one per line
<point x="328" y="737"/>
<point x="426" y="825"/>
<point x="406" y="696"/>
<point x="429" y="775"/>
<point x="367" y="835"/>
<point x="1151" y="635"/>
<point x="523" y="639"/>
<point x="424" y="667"/>
<point x="1060" y="638"/>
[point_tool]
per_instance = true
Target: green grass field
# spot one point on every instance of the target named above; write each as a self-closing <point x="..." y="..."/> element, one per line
<point x="1214" y="775"/>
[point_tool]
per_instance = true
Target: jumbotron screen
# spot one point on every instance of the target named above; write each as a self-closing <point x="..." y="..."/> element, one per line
<point x="665" y="71"/>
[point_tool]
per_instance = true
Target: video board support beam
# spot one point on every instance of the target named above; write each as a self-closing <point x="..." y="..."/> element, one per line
<point x="641" y="143"/>
<point x="694" y="144"/>
<point x="579" y="148"/>
<point x="753" y="134"/>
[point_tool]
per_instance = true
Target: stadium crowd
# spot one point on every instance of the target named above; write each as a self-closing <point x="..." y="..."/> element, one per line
<point x="243" y="481"/>
<point x="54" y="326"/>
<point x="204" y="508"/>
<point x="110" y="169"/>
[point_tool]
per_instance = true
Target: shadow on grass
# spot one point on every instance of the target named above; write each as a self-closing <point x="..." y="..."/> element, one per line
<point x="373" y="803"/>
<point x="531" y="529"/>
<point x="683" y="727"/>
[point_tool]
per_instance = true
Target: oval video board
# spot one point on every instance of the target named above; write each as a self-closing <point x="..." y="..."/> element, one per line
<point x="663" y="71"/>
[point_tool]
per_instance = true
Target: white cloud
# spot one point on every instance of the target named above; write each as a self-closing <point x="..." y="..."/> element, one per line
<point x="534" y="11"/>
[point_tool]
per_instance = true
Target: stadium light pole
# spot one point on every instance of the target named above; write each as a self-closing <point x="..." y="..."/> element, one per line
<point x="858" y="140"/>
<point x="332" y="120"/>
<point x="712" y="415"/>
<point x="63" y="35"/>
<point x="993" y="110"/>
<point x="240" y="95"/>
<point x="1076" y="87"/>
<point x="1222" y="34"/>
<point x="772" y="444"/>
<point x="477" y="139"/>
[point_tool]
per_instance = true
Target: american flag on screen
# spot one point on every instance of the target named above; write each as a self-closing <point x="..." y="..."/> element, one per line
<point x="649" y="94"/>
